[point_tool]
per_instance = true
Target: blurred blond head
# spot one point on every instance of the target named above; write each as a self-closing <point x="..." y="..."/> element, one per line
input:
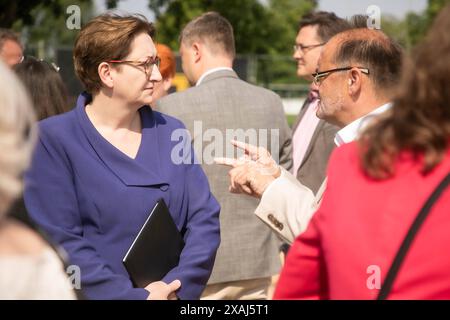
<point x="16" y="136"/>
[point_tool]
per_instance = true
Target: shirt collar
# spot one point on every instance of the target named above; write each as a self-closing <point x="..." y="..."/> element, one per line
<point x="211" y="71"/>
<point x="313" y="92"/>
<point x="351" y="132"/>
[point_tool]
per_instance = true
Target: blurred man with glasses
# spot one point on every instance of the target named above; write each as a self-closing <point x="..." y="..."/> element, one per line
<point x="356" y="76"/>
<point x="312" y="137"/>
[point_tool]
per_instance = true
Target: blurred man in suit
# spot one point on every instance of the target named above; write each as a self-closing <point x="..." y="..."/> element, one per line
<point x="220" y="102"/>
<point x="313" y="137"/>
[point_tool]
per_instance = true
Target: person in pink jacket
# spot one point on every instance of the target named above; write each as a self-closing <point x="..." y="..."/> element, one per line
<point x="376" y="188"/>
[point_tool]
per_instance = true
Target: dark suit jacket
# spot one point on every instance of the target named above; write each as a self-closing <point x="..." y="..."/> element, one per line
<point x="223" y="102"/>
<point x="92" y="199"/>
<point x="312" y="170"/>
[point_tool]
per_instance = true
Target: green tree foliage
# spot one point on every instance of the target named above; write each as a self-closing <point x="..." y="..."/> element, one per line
<point x="21" y="11"/>
<point x="258" y="28"/>
<point x="418" y="25"/>
<point x="44" y="21"/>
<point x="397" y="29"/>
<point x="434" y="6"/>
<point x="267" y="30"/>
<point x="409" y="31"/>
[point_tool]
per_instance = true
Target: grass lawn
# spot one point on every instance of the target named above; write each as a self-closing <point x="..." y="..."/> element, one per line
<point x="290" y="119"/>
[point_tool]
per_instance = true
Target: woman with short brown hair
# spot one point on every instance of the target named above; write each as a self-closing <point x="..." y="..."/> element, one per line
<point x="100" y="169"/>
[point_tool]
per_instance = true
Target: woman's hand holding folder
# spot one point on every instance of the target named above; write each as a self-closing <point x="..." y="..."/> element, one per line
<point x="160" y="290"/>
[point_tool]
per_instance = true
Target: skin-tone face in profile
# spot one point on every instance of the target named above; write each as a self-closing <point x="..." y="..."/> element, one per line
<point x="199" y="56"/>
<point x="11" y="53"/>
<point x="307" y="58"/>
<point x="194" y="60"/>
<point x="140" y="76"/>
<point x="332" y="88"/>
<point x="348" y="93"/>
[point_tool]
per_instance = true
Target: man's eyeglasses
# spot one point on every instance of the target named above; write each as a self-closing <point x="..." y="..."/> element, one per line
<point x="148" y="64"/>
<point x="299" y="46"/>
<point x="320" y="76"/>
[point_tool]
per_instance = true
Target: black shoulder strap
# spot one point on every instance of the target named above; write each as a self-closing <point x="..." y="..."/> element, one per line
<point x="395" y="267"/>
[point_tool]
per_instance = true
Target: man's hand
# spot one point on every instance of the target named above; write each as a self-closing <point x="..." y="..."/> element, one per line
<point x="252" y="173"/>
<point x="160" y="290"/>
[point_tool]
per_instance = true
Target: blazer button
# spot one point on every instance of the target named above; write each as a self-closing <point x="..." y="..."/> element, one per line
<point x="164" y="187"/>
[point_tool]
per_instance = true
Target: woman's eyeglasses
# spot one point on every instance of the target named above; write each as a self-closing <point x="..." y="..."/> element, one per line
<point x="148" y="64"/>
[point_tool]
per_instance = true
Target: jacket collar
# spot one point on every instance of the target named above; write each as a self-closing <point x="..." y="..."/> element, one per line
<point x="352" y="131"/>
<point x="145" y="169"/>
<point x="216" y="74"/>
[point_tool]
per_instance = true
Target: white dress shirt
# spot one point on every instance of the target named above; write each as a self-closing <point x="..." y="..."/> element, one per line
<point x="211" y="71"/>
<point x="351" y="131"/>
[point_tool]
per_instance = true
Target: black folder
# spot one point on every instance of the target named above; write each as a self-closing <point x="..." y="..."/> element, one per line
<point x="156" y="249"/>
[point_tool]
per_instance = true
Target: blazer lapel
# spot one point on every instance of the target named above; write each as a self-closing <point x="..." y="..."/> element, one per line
<point x="312" y="141"/>
<point x="145" y="168"/>
<point x="315" y="134"/>
<point x="300" y="115"/>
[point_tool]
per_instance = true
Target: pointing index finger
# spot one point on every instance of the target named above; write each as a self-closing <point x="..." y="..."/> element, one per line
<point x="248" y="148"/>
<point x="226" y="161"/>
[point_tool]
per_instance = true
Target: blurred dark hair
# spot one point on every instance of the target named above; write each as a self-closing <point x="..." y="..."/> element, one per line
<point x="358" y="21"/>
<point x="419" y="121"/>
<point x="328" y="24"/>
<point x="45" y="86"/>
